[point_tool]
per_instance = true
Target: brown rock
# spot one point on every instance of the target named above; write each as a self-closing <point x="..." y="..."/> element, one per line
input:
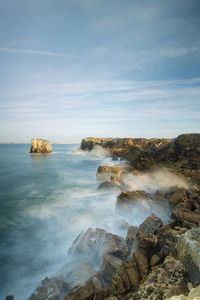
<point x="40" y="146"/>
<point x="151" y="224"/>
<point x="177" y="196"/>
<point x="146" y="243"/>
<point x="98" y="242"/>
<point x="109" y="266"/>
<point x="126" y="279"/>
<point x="126" y="199"/>
<point x="182" y="214"/>
<point x="105" y="172"/>
<point x="155" y="260"/>
<point x="114" y="182"/>
<point x="131" y="237"/>
<point x="142" y="263"/>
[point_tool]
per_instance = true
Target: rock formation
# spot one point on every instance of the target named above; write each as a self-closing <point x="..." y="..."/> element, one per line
<point x="40" y="146"/>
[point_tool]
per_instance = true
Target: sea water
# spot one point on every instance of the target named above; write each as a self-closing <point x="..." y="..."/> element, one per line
<point x="46" y="201"/>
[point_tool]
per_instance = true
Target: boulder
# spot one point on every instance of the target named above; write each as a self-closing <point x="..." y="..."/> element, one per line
<point x="97" y="242"/>
<point x="176" y="196"/>
<point x="193" y="295"/>
<point x="126" y="278"/>
<point x="186" y="217"/>
<point x="131" y="238"/>
<point x="109" y="266"/>
<point x="105" y="172"/>
<point x="40" y="146"/>
<point x="114" y="182"/>
<point x="127" y="198"/>
<point x="151" y="224"/>
<point x="92" y="289"/>
<point x="188" y="248"/>
<point x="50" y="289"/>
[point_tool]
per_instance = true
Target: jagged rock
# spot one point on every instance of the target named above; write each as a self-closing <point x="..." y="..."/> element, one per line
<point x="178" y="195"/>
<point x="105" y="172"/>
<point x="188" y="248"/>
<point x="142" y="263"/>
<point x="109" y="266"/>
<point x="186" y="216"/>
<point x="131" y="237"/>
<point x="40" y="146"/>
<point x="126" y="278"/>
<point x="146" y="243"/>
<point x="92" y="289"/>
<point x="126" y="199"/>
<point x="159" y="195"/>
<point x="114" y="182"/>
<point x="163" y="282"/>
<point x="97" y="242"/>
<point x="50" y="289"/>
<point x="151" y="224"/>
<point x="193" y="295"/>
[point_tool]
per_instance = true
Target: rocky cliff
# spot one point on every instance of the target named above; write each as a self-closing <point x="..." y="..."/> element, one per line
<point x="40" y="146"/>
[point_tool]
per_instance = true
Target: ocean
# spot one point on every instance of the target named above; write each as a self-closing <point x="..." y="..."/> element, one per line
<point x="47" y="200"/>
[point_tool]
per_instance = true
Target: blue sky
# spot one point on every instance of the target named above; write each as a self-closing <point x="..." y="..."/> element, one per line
<point x="107" y="68"/>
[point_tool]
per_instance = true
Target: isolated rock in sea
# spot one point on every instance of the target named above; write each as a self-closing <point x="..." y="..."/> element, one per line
<point x="40" y="146"/>
<point x="188" y="248"/>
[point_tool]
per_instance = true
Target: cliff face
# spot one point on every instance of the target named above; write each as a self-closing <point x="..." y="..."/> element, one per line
<point x="40" y="146"/>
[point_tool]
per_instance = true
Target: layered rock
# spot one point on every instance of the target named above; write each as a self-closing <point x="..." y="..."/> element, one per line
<point x="127" y="198"/>
<point x="40" y="146"/>
<point x="188" y="248"/>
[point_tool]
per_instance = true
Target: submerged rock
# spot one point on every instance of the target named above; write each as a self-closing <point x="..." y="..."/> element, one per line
<point x="40" y="146"/>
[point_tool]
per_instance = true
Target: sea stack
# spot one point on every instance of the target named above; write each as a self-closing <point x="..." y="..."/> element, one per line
<point x="40" y="146"/>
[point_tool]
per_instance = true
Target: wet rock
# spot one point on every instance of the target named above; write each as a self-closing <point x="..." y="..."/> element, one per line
<point x="9" y="297"/>
<point x="127" y="198"/>
<point x="97" y="242"/>
<point x="50" y="289"/>
<point x="105" y="172"/>
<point x="114" y="182"/>
<point x="92" y="289"/>
<point x="126" y="278"/>
<point x="109" y="266"/>
<point x="159" y="195"/>
<point x="188" y="248"/>
<point x="151" y="224"/>
<point x="40" y="146"/>
<point x="131" y="237"/>
<point x="146" y="243"/>
<point x="142" y="263"/>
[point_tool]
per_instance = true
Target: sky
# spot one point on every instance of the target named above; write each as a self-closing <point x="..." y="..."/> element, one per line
<point x="71" y="69"/>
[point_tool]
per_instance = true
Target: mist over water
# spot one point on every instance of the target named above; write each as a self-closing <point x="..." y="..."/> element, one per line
<point x="46" y="201"/>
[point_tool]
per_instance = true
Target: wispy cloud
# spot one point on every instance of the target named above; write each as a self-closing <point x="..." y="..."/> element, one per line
<point x="32" y="52"/>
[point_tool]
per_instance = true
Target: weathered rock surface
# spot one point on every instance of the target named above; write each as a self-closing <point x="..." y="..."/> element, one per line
<point x="105" y="172"/>
<point x="40" y="146"/>
<point x="163" y="282"/>
<point x="188" y="248"/>
<point x="113" y="182"/>
<point x="50" y="289"/>
<point x="193" y="295"/>
<point x="127" y="198"/>
<point x="131" y="238"/>
<point x="151" y="224"/>
<point x="97" y="242"/>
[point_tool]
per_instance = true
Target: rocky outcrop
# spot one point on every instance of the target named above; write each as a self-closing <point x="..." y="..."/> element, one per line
<point x="193" y="295"/>
<point x="127" y="198"/>
<point x="188" y="248"/>
<point x="151" y="224"/>
<point x="105" y="172"/>
<point x="40" y="146"/>
<point x="114" y="182"/>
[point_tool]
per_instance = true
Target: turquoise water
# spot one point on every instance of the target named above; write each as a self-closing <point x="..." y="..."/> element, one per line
<point x="46" y="201"/>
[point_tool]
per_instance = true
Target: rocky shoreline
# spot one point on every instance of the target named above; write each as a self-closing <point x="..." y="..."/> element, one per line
<point x="155" y="260"/>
